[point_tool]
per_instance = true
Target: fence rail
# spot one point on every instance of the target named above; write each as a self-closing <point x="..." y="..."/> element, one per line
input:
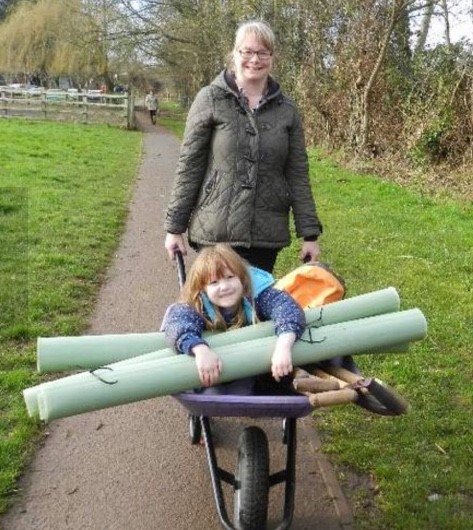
<point x="112" y="109"/>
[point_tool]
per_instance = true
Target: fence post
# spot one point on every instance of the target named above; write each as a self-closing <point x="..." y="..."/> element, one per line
<point x="130" y="114"/>
<point x="3" y="96"/>
<point x="44" y="105"/>
<point x="85" y="109"/>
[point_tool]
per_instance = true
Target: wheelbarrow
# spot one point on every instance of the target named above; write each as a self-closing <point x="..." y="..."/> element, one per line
<point x="252" y="479"/>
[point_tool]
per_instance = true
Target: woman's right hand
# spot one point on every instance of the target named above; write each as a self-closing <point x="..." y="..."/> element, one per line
<point x="173" y="243"/>
<point x="209" y="364"/>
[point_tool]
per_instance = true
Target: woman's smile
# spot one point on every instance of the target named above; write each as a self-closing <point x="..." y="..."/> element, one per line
<point x="253" y="68"/>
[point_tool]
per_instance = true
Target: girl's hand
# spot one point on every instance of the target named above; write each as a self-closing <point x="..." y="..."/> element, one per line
<point x="281" y="360"/>
<point x="209" y="364"/>
<point x="174" y="242"/>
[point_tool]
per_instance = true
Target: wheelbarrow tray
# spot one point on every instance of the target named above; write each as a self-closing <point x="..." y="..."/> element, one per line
<point x="254" y="406"/>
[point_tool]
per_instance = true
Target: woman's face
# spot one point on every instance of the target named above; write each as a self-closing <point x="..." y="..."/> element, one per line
<point x="251" y="66"/>
<point x="226" y="291"/>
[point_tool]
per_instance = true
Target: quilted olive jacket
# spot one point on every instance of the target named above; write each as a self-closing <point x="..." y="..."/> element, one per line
<point x="240" y="173"/>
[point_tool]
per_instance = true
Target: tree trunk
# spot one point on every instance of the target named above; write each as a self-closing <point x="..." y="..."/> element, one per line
<point x="398" y="7"/>
<point x="447" y="22"/>
<point x="425" y="26"/>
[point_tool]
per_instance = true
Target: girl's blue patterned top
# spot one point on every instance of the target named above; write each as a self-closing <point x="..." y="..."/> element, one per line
<point x="183" y="325"/>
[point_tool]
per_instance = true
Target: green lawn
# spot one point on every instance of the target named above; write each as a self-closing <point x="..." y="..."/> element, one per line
<point x="379" y="235"/>
<point x="66" y="187"/>
<point x="64" y="192"/>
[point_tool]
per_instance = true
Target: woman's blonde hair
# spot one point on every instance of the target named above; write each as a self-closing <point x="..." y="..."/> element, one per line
<point x="210" y="265"/>
<point x="258" y="29"/>
<point x="255" y="28"/>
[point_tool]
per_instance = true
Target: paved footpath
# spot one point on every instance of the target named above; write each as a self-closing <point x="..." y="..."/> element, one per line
<point x="132" y="467"/>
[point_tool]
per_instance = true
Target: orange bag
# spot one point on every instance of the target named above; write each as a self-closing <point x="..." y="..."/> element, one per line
<point x="312" y="284"/>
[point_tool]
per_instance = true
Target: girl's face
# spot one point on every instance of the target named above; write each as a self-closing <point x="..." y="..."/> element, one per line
<point x="251" y="66"/>
<point x="225" y="292"/>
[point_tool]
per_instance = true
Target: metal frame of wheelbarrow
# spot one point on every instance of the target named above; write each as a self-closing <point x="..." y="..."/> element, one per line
<point x="202" y="407"/>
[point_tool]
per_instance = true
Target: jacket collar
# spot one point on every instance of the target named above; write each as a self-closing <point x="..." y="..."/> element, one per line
<point x="226" y="81"/>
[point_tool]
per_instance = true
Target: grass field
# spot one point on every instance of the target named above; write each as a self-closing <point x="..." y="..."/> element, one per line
<point x="379" y="235"/>
<point x="66" y="187"/>
<point x="64" y="191"/>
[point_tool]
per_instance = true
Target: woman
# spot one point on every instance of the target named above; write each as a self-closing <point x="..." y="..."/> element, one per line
<point x="222" y="292"/>
<point x="243" y="164"/>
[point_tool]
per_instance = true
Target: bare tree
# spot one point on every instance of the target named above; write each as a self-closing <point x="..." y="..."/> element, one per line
<point x="446" y="16"/>
<point x="85" y="39"/>
<point x="397" y="12"/>
<point x="425" y="25"/>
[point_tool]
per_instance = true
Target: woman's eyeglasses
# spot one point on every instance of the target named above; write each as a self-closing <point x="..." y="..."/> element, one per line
<point x="264" y="55"/>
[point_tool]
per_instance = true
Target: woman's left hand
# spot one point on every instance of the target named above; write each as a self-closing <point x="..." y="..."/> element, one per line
<point x="310" y="251"/>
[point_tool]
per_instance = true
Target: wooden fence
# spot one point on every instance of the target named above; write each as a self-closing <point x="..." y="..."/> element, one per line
<point x="112" y="109"/>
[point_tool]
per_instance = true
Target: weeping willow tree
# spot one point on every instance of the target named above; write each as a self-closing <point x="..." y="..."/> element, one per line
<point x="32" y="39"/>
<point x="76" y="38"/>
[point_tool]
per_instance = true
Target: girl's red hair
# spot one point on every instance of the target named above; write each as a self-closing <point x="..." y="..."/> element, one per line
<point x="210" y="265"/>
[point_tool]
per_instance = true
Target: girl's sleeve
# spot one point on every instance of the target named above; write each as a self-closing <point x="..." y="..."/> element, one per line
<point x="183" y="327"/>
<point x="279" y="306"/>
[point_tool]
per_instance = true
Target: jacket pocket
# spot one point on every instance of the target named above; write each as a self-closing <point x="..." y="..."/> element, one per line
<point x="282" y="196"/>
<point x="287" y="197"/>
<point x="208" y="190"/>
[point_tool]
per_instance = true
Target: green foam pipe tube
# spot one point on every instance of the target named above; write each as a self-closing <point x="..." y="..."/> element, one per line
<point x="165" y="353"/>
<point x="31" y="393"/>
<point x="55" y="354"/>
<point x="116" y="385"/>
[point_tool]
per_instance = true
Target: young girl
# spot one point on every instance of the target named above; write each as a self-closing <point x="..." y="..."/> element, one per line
<point x="223" y="292"/>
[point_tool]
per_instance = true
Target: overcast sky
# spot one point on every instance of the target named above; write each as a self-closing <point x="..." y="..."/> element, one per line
<point x="461" y="23"/>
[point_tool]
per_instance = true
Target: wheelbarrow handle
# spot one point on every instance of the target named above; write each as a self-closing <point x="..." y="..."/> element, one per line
<point x="181" y="268"/>
<point x="390" y="401"/>
<point x="371" y="394"/>
<point x="333" y="397"/>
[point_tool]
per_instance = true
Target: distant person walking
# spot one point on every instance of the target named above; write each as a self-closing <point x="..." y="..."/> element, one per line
<point x="151" y="102"/>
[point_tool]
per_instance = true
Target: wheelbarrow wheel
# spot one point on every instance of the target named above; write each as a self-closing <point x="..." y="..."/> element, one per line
<point x="195" y="429"/>
<point x="252" y="480"/>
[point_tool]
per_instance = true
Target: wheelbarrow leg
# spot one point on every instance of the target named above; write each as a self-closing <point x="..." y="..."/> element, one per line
<point x="217" y="474"/>
<point x="290" y="436"/>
